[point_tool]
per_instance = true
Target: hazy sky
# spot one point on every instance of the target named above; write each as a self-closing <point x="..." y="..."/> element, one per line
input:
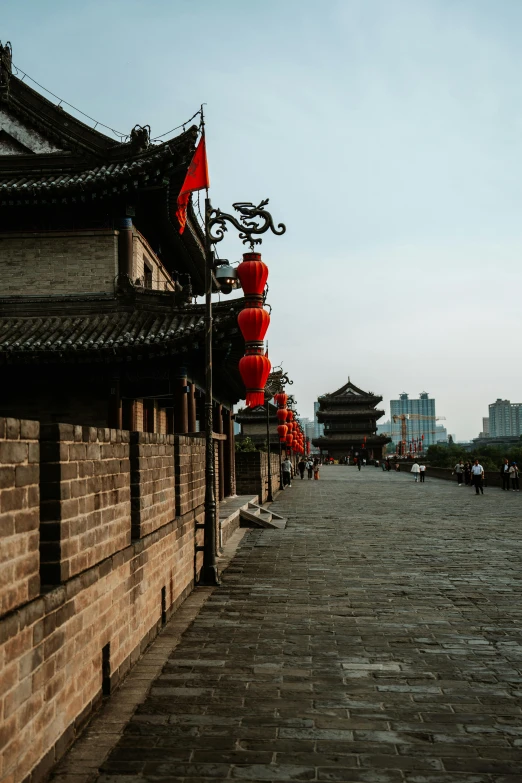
<point x="387" y="134"/>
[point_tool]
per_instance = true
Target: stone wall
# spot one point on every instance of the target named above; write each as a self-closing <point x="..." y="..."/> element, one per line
<point x="143" y="254"/>
<point x="84" y="496"/>
<point x="58" y="262"/>
<point x="62" y="649"/>
<point x="19" y="513"/>
<point x="153" y="501"/>
<point x="252" y="473"/>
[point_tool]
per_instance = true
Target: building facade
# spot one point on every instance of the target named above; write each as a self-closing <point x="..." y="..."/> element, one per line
<point x="422" y="422"/>
<point x="505" y="418"/>
<point x="98" y="324"/>
<point x="349" y="416"/>
<point x="318" y="427"/>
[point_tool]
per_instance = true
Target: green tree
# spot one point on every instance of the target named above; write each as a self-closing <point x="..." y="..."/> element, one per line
<point x="246" y="444"/>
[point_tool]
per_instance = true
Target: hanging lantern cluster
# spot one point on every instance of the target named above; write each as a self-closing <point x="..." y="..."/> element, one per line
<point x="253" y="321"/>
<point x="288" y="429"/>
<point x="280" y="400"/>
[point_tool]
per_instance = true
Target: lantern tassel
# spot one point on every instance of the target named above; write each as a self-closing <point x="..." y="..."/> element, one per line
<point x="255" y="398"/>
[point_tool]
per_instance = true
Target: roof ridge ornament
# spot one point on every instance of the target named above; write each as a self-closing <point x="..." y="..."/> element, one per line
<point x="6" y="68"/>
<point x="140" y="137"/>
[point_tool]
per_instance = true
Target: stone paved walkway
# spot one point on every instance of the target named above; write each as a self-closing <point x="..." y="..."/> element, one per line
<point x="377" y="639"/>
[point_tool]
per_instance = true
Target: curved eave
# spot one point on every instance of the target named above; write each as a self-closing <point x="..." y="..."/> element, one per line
<point x="373" y="440"/>
<point x="335" y="402"/>
<point x="339" y="416"/>
<point x="54" y="122"/>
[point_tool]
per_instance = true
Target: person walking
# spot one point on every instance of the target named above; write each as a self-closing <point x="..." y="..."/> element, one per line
<point x="359" y="463"/>
<point x="477" y="474"/>
<point x="505" y="474"/>
<point x="310" y="469"/>
<point x="422" y="474"/>
<point x="513" y="472"/>
<point x="301" y="467"/>
<point x="459" y="471"/>
<point x="286" y="467"/>
<point x="415" y="469"/>
<point x="316" y="470"/>
<point x="467" y="474"/>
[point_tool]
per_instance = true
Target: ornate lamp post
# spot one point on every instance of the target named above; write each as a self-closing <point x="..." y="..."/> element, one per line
<point x="253" y="221"/>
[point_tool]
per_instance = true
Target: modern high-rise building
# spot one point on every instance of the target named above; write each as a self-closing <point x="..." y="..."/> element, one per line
<point x="423" y="421"/>
<point x="485" y="425"/>
<point x="318" y="427"/>
<point x="308" y="426"/>
<point x="505" y="418"/>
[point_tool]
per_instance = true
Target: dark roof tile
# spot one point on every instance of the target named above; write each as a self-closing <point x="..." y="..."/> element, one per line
<point x="107" y="331"/>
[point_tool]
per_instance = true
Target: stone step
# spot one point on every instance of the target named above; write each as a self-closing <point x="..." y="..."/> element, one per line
<point x="257" y="516"/>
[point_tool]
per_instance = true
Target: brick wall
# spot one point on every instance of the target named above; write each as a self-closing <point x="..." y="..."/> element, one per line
<point x="52" y="647"/>
<point x="59" y="262"/>
<point x="85" y="498"/>
<point x="190" y="473"/>
<point x="252" y="473"/>
<point x="153" y="501"/>
<point x="19" y="513"/>
<point x="142" y="254"/>
<point x="113" y="594"/>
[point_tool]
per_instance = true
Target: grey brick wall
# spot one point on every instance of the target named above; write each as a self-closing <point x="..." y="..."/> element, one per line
<point x="57" y="262"/>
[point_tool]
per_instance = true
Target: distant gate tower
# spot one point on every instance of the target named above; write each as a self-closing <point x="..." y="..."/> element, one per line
<point x="350" y="424"/>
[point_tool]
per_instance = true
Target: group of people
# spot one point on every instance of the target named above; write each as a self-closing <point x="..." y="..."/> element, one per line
<point x="472" y="474"/>
<point x="310" y="466"/>
<point x="509" y="473"/>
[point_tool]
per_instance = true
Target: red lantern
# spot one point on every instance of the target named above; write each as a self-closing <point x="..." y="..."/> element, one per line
<point x="290" y="416"/>
<point x="289" y="438"/>
<point x="281" y="415"/>
<point x="253" y="274"/>
<point x="254" y="369"/>
<point x="281" y="431"/>
<point x="281" y="399"/>
<point x="253" y="322"/>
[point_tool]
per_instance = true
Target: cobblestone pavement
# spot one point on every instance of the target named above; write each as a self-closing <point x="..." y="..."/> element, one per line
<point x="377" y="639"/>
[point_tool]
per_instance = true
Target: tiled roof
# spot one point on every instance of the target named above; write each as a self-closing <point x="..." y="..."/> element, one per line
<point x="348" y="414"/>
<point x="110" y="332"/>
<point x="83" y="180"/>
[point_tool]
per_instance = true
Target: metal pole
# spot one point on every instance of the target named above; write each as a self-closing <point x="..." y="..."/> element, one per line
<point x="209" y="573"/>
<point x="270" y="496"/>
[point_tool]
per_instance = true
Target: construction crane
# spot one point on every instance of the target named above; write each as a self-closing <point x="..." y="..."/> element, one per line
<point x="404" y="418"/>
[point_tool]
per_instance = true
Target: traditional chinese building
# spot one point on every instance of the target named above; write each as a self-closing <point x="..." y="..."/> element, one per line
<point x="350" y="418"/>
<point x="254" y="425"/>
<point x="98" y="324"/>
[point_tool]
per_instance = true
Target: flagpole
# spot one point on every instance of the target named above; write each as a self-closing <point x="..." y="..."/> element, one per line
<point x="209" y="573"/>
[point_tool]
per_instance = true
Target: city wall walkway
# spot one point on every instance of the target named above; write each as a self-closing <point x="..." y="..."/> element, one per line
<point x="377" y="639"/>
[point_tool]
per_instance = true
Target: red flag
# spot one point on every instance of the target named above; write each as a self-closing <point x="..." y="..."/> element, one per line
<point x="196" y="179"/>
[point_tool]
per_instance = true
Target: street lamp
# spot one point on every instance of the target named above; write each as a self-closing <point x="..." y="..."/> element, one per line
<point x="253" y="221"/>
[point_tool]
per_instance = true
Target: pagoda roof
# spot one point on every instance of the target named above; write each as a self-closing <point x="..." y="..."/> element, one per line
<point x="348" y="391"/>
<point x="44" y="149"/>
<point x="341" y="438"/>
<point x="357" y="413"/>
<point x="97" y="329"/>
<point x="49" y="157"/>
<point x="245" y="415"/>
